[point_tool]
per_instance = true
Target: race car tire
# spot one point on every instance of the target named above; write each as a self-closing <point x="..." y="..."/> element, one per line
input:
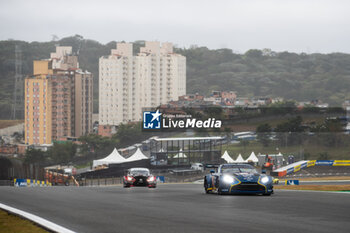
<point x="267" y="194"/>
<point x="126" y="186"/>
<point x="220" y="192"/>
<point x="206" y="186"/>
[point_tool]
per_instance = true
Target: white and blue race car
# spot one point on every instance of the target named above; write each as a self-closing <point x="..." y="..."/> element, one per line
<point x="238" y="179"/>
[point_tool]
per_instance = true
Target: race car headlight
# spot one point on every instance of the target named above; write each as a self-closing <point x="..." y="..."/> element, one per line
<point x="228" y="179"/>
<point x="264" y="179"/>
<point x="151" y="178"/>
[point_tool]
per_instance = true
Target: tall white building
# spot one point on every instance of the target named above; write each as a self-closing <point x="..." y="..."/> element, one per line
<point x="129" y="83"/>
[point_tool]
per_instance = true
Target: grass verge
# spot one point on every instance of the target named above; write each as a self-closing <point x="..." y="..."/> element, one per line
<point x="11" y="223"/>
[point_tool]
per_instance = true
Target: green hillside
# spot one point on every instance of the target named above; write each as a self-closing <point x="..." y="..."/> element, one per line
<point x="255" y="73"/>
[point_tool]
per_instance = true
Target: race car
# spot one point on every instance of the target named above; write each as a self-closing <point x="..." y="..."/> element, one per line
<point x="139" y="177"/>
<point x="238" y="179"/>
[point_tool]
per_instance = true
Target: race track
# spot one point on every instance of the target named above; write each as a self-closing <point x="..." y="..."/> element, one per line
<point x="181" y="208"/>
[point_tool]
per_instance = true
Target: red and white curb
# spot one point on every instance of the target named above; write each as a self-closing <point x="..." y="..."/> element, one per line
<point x="38" y="220"/>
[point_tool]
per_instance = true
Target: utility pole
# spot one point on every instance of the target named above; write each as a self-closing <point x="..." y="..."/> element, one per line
<point x="18" y="94"/>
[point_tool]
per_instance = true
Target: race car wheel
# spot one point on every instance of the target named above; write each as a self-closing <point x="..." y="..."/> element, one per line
<point x="206" y="186"/>
<point x="220" y="192"/>
<point x="267" y="194"/>
<point x="126" y="186"/>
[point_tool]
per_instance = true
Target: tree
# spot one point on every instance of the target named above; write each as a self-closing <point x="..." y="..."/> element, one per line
<point x="292" y="125"/>
<point x="62" y="152"/>
<point x="264" y="133"/>
<point x="18" y="137"/>
<point x="323" y="156"/>
<point x="290" y="132"/>
<point x="213" y="112"/>
<point x="254" y="53"/>
<point x="35" y="156"/>
<point x="329" y="132"/>
<point x="128" y="134"/>
<point x="94" y="142"/>
<point x="286" y="107"/>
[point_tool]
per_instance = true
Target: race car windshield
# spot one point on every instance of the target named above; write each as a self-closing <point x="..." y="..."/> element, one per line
<point x="139" y="172"/>
<point x="236" y="169"/>
<point x="247" y="170"/>
<point x="230" y="170"/>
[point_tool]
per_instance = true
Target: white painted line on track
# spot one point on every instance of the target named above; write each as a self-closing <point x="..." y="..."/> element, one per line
<point x="41" y="221"/>
<point x="198" y="181"/>
<point x="310" y="191"/>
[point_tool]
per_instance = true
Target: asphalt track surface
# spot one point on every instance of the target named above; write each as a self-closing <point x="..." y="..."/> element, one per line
<point x="181" y="208"/>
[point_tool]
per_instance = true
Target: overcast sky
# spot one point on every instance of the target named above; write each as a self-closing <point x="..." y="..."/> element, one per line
<point x="282" y="25"/>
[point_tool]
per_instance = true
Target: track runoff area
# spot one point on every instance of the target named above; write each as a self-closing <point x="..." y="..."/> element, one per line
<point x="179" y="208"/>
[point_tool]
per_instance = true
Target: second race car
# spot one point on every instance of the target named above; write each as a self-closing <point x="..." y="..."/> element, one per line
<point x="139" y="177"/>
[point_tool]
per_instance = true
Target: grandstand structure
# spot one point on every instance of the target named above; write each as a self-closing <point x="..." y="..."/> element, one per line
<point x="184" y="151"/>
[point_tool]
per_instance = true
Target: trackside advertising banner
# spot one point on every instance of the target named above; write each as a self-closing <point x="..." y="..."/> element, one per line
<point x="341" y="163"/>
<point x="290" y="170"/>
<point x="30" y="183"/>
<point x="324" y="162"/>
<point x="297" y="168"/>
<point x="314" y="163"/>
<point x="333" y="162"/>
<point x="311" y="163"/>
<point x="304" y="165"/>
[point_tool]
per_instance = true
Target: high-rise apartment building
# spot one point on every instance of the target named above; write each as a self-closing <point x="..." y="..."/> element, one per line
<point x="58" y="99"/>
<point x="127" y="83"/>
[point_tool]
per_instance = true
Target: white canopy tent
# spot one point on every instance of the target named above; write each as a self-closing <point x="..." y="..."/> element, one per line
<point x="180" y="155"/>
<point x="239" y="159"/>
<point x="252" y="157"/>
<point x="138" y="155"/>
<point x="227" y="157"/>
<point x="113" y="157"/>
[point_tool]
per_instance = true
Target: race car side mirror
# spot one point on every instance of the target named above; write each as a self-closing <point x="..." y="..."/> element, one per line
<point x="212" y="171"/>
<point x="263" y="171"/>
